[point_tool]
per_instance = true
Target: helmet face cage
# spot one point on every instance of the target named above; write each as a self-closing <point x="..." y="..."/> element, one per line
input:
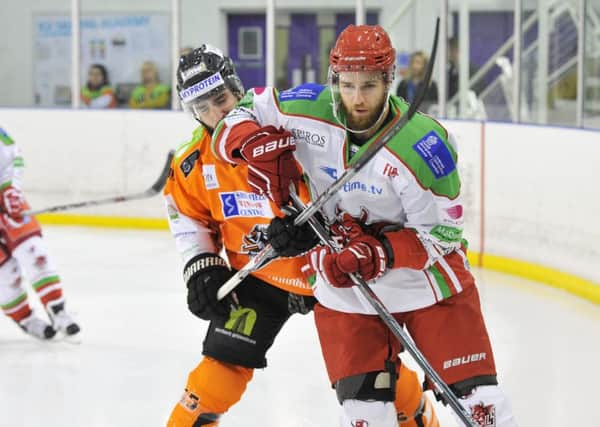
<point x="333" y="79"/>
<point x="362" y="48"/>
<point x="203" y="74"/>
<point x="201" y="105"/>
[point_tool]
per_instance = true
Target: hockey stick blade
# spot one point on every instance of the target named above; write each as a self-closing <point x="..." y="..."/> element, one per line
<point x="152" y="191"/>
<point x="207" y="418"/>
<point x="348" y="174"/>
<point x="164" y="175"/>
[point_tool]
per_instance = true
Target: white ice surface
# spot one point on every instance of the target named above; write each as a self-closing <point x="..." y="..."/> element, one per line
<point x="139" y="343"/>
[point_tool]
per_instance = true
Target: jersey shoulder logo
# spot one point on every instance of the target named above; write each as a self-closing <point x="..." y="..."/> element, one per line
<point x="436" y="155"/>
<point x="187" y="165"/>
<point x="307" y="91"/>
<point x="6" y="140"/>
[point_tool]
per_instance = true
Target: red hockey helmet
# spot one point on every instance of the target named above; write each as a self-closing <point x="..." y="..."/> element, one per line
<point x="362" y="48"/>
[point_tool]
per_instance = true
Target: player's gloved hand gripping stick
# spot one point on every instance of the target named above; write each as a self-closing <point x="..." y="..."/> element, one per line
<point x="155" y="189"/>
<point x="267" y="253"/>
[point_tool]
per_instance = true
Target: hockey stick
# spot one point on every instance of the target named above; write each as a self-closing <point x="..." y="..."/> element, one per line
<point x="207" y="418"/>
<point x="152" y="191"/>
<point x="267" y="253"/>
<point x="407" y="343"/>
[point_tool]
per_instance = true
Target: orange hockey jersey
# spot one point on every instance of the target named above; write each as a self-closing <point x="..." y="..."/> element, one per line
<point x="210" y="206"/>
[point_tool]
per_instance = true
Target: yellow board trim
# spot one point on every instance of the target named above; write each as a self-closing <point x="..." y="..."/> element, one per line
<point x="104" y="221"/>
<point x="557" y="279"/>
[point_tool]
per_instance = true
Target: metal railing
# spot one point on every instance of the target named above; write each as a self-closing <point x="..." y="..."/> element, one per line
<point x="496" y="101"/>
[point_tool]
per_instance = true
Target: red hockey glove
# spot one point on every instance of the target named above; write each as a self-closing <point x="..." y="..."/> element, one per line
<point x="345" y="229"/>
<point x="321" y="260"/>
<point x="13" y="202"/>
<point x="364" y="254"/>
<point x="271" y="165"/>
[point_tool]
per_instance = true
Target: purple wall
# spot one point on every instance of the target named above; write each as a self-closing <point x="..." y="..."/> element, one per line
<point x="487" y="32"/>
<point x="342" y="20"/>
<point x="303" y="41"/>
<point x="252" y="72"/>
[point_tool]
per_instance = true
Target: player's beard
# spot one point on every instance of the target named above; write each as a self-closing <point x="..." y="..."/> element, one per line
<point x="363" y="121"/>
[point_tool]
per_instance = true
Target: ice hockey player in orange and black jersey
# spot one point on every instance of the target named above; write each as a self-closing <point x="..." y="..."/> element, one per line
<point x="211" y="208"/>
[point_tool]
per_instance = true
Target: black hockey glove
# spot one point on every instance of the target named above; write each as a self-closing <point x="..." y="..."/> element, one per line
<point x="290" y="240"/>
<point x="203" y="276"/>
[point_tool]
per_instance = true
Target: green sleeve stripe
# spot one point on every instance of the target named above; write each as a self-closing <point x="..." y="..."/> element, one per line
<point x="50" y="280"/>
<point x="11" y="304"/>
<point x="196" y="136"/>
<point x="247" y="101"/>
<point x="5" y="185"/>
<point x="183" y="148"/>
<point x="6" y="140"/>
<point x="441" y="283"/>
<point x="216" y="135"/>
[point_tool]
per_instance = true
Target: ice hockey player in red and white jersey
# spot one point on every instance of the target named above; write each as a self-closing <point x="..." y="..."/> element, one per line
<point x="22" y="248"/>
<point x="399" y="222"/>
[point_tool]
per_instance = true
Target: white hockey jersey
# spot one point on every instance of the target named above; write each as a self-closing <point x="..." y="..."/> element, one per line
<point x="11" y="162"/>
<point x="412" y="184"/>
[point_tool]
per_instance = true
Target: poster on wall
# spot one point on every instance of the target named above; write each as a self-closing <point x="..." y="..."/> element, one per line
<point x="120" y="42"/>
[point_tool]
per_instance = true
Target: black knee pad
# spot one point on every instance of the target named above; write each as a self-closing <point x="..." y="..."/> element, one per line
<point x="376" y="385"/>
<point x="465" y="387"/>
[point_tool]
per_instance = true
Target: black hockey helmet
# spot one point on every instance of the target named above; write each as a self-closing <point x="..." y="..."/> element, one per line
<point x="203" y="73"/>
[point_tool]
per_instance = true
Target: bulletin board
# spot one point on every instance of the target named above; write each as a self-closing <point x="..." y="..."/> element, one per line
<point x="120" y="42"/>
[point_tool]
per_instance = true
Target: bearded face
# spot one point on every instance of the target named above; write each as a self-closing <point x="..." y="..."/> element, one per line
<point x="363" y="95"/>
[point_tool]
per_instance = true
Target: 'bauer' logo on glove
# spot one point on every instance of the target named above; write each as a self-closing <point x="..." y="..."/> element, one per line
<point x="271" y="165"/>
